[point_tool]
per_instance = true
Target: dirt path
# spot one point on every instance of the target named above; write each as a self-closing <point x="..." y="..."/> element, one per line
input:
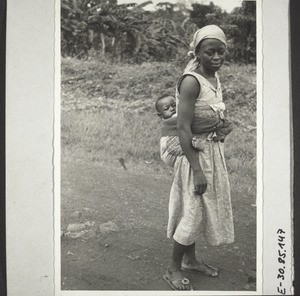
<point x="135" y="256"/>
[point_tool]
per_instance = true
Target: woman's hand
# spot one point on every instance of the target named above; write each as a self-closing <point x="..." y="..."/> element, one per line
<point x="200" y="182"/>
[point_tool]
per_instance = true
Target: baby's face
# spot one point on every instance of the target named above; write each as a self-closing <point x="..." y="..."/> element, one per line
<point x="167" y="107"/>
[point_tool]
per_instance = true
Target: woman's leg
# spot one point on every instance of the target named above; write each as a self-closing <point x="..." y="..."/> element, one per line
<point x="190" y="254"/>
<point x="177" y="255"/>
<point x="190" y="262"/>
<point x="174" y="272"/>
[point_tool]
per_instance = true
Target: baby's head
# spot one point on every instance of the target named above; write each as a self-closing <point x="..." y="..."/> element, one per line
<point x="165" y="106"/>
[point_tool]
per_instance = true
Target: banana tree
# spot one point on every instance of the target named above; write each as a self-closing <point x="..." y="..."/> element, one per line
<point x="124" y="30"/>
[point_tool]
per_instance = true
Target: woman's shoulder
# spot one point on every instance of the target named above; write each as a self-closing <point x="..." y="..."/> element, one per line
<point x="188" y="79"/>
<point x="201" y="80"/>
<point x="189" y="86"/>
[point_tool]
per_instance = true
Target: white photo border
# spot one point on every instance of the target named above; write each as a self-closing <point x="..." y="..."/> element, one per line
<point x="33" y="159"/>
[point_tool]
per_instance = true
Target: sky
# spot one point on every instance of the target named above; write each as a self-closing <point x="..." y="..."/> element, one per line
<point x="227" y="5"/>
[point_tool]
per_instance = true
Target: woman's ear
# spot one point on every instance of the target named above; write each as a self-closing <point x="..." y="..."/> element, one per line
<point x="159" y="114"/>
<point x="197" y="56"/>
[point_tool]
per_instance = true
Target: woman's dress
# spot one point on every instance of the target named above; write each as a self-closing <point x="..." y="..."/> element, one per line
<point x="208" y="217"/>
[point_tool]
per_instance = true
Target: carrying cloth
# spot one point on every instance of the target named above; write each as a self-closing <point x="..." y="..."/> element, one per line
<point x="210" y="128"/>
<point x="200" y="125"/>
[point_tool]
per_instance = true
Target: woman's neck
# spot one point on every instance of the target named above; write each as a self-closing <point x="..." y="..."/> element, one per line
<point x="205" y="72"/>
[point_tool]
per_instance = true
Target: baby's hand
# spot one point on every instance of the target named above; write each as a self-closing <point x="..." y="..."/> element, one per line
<point x="198" y="144"/>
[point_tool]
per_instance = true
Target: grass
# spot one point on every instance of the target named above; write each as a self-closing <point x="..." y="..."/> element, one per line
<point x="107" y="112"/>
<point x="119" y="134"/>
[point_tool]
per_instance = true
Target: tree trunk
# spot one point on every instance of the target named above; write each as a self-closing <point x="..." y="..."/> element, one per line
<point x="75" y="5"/>
<point x="102" y="43"/>
<point x="91" y="38"/>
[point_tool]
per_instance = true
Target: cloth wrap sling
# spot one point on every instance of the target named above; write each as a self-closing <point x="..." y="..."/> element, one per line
<point x="199" y="125"/>
<point x="212" y="127"/>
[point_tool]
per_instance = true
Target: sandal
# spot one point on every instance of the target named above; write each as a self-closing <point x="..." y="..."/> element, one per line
<point x="175" y="284"/>
<point x="180" y="283"/>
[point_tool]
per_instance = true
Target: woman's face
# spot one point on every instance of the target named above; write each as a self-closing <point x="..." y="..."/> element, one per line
<point x="211" y="54"/>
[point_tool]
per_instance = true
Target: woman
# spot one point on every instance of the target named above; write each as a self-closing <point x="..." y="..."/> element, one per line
<point x="200" y="202"/>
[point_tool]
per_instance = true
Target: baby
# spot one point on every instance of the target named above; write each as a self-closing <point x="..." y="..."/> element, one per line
<point x="170" y="147"/>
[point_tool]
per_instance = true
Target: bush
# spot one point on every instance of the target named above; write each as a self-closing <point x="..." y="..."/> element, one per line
<point x="133" y="35"/>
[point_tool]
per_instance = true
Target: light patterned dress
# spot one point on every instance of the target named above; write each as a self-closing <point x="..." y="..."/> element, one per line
<point x="208" y="217"/>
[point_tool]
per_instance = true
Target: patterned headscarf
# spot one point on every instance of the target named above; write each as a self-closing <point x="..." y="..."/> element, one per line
<point x="207" y="32"/>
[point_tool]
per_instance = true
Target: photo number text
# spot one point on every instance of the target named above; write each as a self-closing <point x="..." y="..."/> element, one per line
<point x="281" y="260"/>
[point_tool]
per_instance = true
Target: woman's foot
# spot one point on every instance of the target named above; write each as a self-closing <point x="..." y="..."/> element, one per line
<point x="177" y="281"/>
<point x="203" y="267"/>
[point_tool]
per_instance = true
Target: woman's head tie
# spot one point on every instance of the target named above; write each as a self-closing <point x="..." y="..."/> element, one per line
<point x="207" y="32"/>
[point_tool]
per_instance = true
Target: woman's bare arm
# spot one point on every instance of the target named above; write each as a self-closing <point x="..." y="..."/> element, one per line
<point x="189" y="90"/>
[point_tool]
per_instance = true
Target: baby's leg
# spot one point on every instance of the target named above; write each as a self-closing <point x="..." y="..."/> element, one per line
<point x="173" y="146"/>
<point x="170" y="150"/>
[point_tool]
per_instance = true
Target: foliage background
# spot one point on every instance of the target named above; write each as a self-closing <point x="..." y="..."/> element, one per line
<point x="129" y="33"/>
